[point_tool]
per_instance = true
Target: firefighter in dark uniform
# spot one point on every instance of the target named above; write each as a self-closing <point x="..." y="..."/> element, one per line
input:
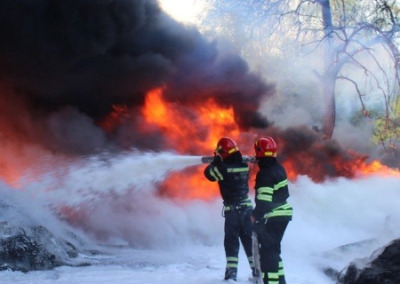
<point x="232" y="175"/>
<point x="272" y="213"/>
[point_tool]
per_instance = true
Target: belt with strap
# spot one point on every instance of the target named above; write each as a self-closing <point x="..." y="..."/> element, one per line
<point x="240" y="203"/>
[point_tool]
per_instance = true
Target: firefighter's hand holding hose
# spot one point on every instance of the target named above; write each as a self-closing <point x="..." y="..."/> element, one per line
<point x="258" y="225"/>
<point x="260" y="230"/>
<point x="217" y="160"/>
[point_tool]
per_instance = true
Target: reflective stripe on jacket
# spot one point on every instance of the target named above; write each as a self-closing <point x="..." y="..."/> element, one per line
<point x="272" y="190"/>
<point x="232" y="180"/>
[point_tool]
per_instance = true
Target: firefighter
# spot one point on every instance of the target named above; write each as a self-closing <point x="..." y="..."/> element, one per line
<point x="232" y="175"/>
<point x="272" y="212"/>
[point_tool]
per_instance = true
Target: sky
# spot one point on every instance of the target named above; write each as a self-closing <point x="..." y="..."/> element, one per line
<point x="157" y="240"/>
<point x="185" y="11"/>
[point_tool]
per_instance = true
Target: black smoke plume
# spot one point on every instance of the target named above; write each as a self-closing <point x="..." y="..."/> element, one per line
<point x="64" y="64"/>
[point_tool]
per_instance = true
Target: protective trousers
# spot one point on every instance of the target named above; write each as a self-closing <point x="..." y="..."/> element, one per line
<point x="238" y="227"/>
<point x="270" y="249"/>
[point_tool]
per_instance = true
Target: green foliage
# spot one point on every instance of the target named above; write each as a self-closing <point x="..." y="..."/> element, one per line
<point x="387" y="128"/>
<point x="358" y="118"/>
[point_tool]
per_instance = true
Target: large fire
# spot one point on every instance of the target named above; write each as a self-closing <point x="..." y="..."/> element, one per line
<point x="196" y="130"/>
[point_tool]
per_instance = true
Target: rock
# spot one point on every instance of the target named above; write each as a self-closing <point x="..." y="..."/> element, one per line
<point x="32" y="248"/>
<point x="382" y="267"/>
<point x="27" y="245"/>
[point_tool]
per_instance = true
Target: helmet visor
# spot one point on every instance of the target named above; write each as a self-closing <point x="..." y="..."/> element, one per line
<point x="219" y="151"/>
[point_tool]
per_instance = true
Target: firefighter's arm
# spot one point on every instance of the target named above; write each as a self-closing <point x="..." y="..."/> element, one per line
<point x="214" y="172"/>
<point x="263" y="200"/>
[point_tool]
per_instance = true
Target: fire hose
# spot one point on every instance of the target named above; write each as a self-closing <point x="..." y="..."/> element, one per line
<point x="256" y="259"/>
<point x="246" y="159"/>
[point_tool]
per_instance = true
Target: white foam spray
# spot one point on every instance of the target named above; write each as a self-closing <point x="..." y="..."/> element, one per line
<point x="88" y="179"/>
<point x="119" y="201"/>
<point x="114" y="198"/>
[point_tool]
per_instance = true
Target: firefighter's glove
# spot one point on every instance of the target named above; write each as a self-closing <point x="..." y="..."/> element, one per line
<point x="259" y="226"/>
<point x="217" y="160"/>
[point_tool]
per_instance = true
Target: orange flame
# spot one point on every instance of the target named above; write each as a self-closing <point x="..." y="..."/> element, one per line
<point x="354" y="168"/>
<point x="376" y="168"/>
<point x="190" y="130"/>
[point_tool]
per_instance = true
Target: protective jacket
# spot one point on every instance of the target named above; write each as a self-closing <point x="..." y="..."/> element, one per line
<point x="232" y="176"/>
<point x="271" y="191"/>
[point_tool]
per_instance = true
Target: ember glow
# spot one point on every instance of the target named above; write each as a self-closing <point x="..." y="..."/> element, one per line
<point x="114" y="118"/>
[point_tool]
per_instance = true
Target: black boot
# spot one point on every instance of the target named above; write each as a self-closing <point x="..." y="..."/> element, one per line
<point x="255" y="275"/>
<point x="230" y="274"/>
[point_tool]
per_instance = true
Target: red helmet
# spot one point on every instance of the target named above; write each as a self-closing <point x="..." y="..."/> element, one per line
<point x="265" y="147"/>
<point x="225" y="147"/>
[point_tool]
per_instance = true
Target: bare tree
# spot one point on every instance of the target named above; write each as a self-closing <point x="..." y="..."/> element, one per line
<point x="350" y="36"/>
